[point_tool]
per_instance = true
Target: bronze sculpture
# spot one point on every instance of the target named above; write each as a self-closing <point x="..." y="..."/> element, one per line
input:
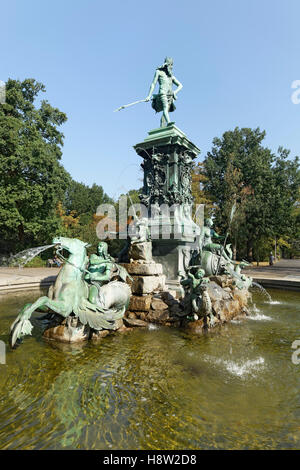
<point x="163" y="101"/>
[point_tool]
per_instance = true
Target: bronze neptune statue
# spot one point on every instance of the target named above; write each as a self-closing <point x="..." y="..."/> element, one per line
<point x="163" y="101"/>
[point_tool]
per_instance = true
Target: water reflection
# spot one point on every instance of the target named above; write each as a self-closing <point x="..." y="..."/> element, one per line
<point x="155" y="389"/>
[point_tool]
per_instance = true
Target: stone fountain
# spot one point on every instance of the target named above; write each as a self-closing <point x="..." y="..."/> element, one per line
<point x="190" y="280"/>
<point x="175" y="273"/>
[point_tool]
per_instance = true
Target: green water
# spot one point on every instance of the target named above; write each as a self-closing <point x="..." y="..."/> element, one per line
<point x="235" y="388"/>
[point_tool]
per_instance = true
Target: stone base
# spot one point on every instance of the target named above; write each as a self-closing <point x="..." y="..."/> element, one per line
<point x="140" y="251"/>
<point x="173" y="254"/>
<point x="72" y="331"/>
<point x="69" y="331"/>
<point x="147" y="277"/>
<point x="227" y="303"/>
<point x="148" y="284"/>
<point x="165" y="309"/>
<point x="143" y="269"/>
<point x="161" y="308"/>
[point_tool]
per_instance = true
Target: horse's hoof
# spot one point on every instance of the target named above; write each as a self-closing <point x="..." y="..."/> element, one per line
<point x="17" y="344"/>
<point x="13" y="340"/>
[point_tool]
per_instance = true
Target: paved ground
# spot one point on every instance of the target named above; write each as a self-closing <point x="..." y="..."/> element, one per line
<point x="282" y="269"/>
<point x="284" y="274"/>
<point x="13" y="279"/>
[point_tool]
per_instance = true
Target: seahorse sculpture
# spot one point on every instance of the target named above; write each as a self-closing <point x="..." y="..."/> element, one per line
<point x="71" y="295"/>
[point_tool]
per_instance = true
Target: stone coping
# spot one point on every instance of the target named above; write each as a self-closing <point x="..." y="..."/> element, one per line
<point x="15" y="279"/>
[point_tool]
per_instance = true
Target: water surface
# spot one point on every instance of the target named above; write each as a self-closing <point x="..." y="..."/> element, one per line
<point x="161" y="388"/>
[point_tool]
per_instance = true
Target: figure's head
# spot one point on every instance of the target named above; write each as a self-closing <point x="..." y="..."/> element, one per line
<point x="199" y="273"/>
<point x="102" y="249"/>
<point x="209" y="222"/>
<point x="168" y="65"/>
<point x="72" y="245"/>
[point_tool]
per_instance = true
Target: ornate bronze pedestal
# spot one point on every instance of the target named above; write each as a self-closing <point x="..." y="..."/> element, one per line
<point x="167" y="163"/>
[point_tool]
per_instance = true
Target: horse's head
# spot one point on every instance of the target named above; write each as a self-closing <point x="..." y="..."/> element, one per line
<point x="72" y="245"/>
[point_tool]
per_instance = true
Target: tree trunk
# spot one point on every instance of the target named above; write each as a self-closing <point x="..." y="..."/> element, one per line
<point x="21" y="233"/>
<point x="250" y="250"/>
<point x="234" y="250"/>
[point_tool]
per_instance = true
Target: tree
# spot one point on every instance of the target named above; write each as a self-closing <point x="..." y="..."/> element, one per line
<point x="68" y="221"/>
<point x="290" y="245"/>
<point x="32" y="180"/>
<point x="239" y="168"/>
<point x="84" y="200"/>
<point x="199" y="179"/>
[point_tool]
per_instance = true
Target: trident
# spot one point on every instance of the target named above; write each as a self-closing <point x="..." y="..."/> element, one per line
<point x="130" y="104"/>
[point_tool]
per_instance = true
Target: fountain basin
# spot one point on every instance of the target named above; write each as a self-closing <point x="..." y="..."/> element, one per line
<point x="156" y="387"/>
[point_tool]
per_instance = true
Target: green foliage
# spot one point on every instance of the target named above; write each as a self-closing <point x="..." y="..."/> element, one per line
<point x="32" y="179"/>
<point x="36" y="262"/>
<point x="291" y="247"/>
<point x="199" y="180"/>
<point x="133" y="197"/>
<point x="84" y="200"/>
<point x="263" y="185"/>
<point x="78" y="213"/>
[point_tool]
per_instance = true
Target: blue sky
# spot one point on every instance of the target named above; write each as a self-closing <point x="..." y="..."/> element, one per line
<point x="236" y="59"/>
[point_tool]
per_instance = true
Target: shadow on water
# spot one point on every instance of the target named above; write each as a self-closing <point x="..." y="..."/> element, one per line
<point x="156" y="388"/>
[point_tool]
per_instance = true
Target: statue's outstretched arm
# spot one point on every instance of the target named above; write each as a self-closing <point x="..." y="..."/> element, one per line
<point x="152" y="85"/>
<point x="179" y="86"/>
<point x="216" y="235"/>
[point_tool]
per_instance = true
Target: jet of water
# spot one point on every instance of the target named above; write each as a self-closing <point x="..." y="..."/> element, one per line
<point x="23" y="257"/>
<point x="262" y="290"/>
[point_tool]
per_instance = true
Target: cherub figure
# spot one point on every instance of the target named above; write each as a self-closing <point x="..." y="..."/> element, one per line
<point x="140" y="231"/>
<point x="195" y="286"/>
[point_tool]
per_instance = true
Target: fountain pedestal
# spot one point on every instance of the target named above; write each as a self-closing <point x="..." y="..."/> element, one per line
<point x="168" y="157"/>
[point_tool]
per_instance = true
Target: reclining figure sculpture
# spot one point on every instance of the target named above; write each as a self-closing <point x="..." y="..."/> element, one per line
<point x="217" y="259"/>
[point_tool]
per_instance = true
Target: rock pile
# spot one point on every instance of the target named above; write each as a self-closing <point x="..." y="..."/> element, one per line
<point x="150" y="301"/>
<point x="228" y="302"/>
